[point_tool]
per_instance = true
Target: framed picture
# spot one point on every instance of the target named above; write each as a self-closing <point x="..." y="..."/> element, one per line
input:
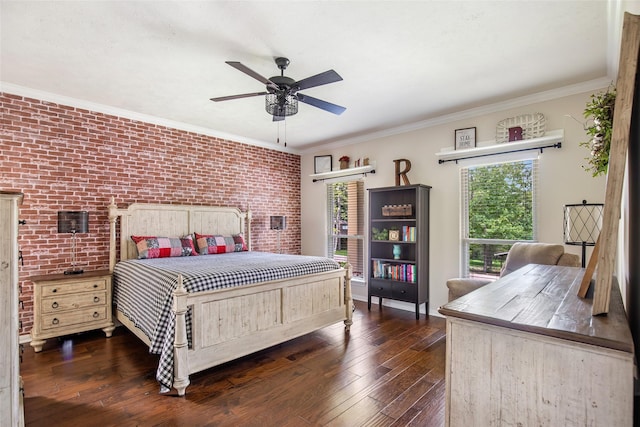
<point x="394" y="235"/>
<point x="322" y="164"/>
<point x="465" y="138"/>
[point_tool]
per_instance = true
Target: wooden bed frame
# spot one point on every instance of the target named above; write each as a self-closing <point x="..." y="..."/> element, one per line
<point x="229" y="323"/>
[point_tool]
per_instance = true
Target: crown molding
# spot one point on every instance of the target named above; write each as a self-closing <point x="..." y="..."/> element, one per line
<point x="583" y="87"/>
<point x="522" y="101"/>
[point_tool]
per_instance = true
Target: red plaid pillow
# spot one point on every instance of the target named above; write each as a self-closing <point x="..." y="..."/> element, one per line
<point x="159" y="247"/>
<point x="218" y="244"/>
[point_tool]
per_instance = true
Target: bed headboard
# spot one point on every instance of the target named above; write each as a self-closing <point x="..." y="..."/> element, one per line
<point x="147" y="219"/>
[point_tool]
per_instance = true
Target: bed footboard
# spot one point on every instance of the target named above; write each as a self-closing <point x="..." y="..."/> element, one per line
<point x="231" y="323"/>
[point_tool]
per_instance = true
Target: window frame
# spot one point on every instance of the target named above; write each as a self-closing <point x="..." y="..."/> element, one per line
<point x="359" y="236"/>
<point x="465" y="240"/>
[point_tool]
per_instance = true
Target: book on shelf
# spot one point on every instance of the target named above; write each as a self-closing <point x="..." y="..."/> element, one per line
<point x="408" y="233"/>
<point x="400" y="272"/>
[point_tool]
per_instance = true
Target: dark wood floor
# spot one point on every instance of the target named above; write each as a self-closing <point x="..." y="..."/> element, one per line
<point x="389" y="371"/>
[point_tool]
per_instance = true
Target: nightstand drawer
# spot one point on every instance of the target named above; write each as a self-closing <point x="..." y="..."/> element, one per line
<point x="73" y="287"/>
<point x="84" y="316"/>
<point x="73" y="301"/>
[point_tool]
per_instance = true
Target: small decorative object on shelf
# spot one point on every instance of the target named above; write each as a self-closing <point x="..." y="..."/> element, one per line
<point x="465" y="138"/>
<point x="344" y="162"/>
<point x="361" y="162"/>
<point x="515" y="133"/>
<point x="379" y="234"/>
<point x="394" y="235"/>
<point x="397" y="210"/>
<point x="396" y="251"/>
<point x="533" y="126"/>
<point x="322" y="164"/>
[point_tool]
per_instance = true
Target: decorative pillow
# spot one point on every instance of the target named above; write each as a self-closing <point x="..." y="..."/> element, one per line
<point x="218" y="244"/>
<point x="239" y="240"/>
<point x="160" y="247"/>
<point x="188" y="245"/>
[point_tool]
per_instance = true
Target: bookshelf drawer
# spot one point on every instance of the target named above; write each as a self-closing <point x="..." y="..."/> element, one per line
<point x="404" y="291"/>
<point x="380" y="288"/>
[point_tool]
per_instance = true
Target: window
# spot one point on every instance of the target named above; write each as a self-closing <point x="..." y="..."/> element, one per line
<point x="498" y="209"/>
<point x="345" y="243"/>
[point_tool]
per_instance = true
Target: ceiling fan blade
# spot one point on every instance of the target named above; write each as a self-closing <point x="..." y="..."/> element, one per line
<point x="244" y="95"/>
<point x="324" y="105"/>
<point x="318" y="80"/>
<point x="238" y="66"/>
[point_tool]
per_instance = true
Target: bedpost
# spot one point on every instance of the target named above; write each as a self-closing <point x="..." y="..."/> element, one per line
<point x="348" y="300"/>
<point x="180" y="346"/>
<point x="248" y="229"/>
<point x="113" y="216"/>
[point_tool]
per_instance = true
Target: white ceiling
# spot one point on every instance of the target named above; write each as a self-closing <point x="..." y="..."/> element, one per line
<point x="402" y="62"/>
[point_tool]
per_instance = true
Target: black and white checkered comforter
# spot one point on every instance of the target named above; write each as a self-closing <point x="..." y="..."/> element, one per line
<point x="143" y="289"/>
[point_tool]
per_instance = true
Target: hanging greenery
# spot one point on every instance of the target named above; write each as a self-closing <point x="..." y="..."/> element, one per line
<point x="599" y="113"/>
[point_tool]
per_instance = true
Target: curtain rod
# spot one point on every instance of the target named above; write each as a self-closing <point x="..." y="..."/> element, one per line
<point x="556" y="145"/>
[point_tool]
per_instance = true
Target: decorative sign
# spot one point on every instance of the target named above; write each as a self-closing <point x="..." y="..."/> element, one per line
<point x="322" y="164"/>
<point x="465" y="138"/>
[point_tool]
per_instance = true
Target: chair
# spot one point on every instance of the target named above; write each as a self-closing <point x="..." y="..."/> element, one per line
<point x="519" y="255"/>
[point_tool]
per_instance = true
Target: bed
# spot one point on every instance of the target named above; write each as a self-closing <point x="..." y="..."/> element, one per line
<point x="205" y="328"/>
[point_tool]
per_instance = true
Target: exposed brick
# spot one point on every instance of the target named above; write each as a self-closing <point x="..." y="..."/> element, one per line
<point x="66" y="158"/>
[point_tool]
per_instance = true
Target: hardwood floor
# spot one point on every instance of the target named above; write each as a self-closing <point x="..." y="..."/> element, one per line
<point x="389" y="371"/>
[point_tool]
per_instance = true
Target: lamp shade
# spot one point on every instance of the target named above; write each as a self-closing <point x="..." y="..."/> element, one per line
<point x="281" y="105"/>
<point x="582" y="223"/>
<point x="278" y="222"/>
<point x="73" y="222"/>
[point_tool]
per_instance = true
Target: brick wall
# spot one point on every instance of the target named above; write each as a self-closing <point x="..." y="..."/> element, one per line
<point x="66" y="158"/>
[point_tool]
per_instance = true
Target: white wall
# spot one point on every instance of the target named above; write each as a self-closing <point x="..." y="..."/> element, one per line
<point x="562" y="180"/>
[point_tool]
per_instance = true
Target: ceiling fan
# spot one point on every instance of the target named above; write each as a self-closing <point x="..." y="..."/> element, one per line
<point x="282" y="96"/>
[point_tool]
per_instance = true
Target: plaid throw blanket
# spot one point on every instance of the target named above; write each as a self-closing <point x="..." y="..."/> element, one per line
<point x="142" y="289"/>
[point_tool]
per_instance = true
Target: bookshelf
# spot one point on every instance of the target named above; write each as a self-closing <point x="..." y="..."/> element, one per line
<point x="399" y="245"/>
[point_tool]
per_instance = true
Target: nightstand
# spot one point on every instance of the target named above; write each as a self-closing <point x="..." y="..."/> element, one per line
<point x="66" y="304"/>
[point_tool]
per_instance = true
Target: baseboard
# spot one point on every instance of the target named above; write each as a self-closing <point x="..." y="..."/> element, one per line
<point x="400" y="305"/>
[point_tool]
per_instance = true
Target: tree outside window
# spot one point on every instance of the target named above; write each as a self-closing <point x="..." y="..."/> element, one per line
<point x="345" y="201"/>
<point x="499" y="210"/>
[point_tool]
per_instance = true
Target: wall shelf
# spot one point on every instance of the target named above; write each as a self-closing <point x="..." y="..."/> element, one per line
<point x="361" y="170"/>
<point x="552" y="139"/>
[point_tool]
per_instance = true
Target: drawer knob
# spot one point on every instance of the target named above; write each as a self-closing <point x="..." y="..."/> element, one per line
<point x="54" y="290"/>
<point x="54" y="305"/>
<point x="95" y="286"/>
<point x="55" y="321"/>
<point x="403" y="291"/>
<point x="95" y="315"/>
<point x="96" y="299"/>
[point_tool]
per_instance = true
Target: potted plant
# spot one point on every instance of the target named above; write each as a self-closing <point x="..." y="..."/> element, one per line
<point x="599" y="112"/>
<point x="344" y="162"/>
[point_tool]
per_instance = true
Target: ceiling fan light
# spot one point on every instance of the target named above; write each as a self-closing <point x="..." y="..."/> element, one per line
<point x="281" y="105"/>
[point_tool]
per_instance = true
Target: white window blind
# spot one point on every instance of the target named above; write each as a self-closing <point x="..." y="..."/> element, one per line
<point x="498" y="209"/>
<point x="345" y="234"/>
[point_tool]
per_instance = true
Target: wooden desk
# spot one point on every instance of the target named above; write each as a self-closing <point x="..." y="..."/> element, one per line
<point x="525" y="350"/>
